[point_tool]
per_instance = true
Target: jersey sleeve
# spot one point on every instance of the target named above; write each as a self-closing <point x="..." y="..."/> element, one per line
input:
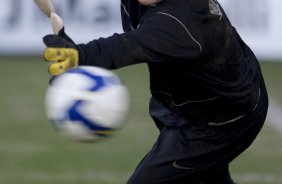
<point x="158" y="38"/>
<point x="114" y="52"/>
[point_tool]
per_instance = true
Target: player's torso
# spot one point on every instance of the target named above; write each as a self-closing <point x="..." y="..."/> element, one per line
<point x="223" y="78"/>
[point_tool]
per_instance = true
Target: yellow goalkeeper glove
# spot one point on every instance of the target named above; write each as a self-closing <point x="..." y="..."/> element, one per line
<point x="61" y="52"/>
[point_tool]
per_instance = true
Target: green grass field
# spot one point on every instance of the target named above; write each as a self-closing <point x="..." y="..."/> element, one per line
<point x="31" y="151"/>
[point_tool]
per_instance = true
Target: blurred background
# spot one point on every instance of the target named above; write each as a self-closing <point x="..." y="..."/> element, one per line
<point x="32" y="152"/>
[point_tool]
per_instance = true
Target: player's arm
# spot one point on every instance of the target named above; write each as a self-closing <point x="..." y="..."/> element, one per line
<point x="113" y="52"/>
<point x="157" y="39"/>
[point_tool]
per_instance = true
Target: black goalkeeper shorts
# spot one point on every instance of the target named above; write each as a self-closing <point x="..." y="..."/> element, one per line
<point x="199" y="155"/>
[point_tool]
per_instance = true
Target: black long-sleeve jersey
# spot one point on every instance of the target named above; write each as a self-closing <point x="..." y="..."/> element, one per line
<point x="199" y="66"/>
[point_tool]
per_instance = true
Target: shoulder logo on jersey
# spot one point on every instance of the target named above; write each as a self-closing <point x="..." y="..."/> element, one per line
<point x="215" y="9"/>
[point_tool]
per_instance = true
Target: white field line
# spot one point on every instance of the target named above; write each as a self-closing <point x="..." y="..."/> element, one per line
<point x="274" y="116"/>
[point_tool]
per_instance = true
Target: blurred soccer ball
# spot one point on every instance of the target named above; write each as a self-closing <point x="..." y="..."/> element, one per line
<point x="87" y="103"/>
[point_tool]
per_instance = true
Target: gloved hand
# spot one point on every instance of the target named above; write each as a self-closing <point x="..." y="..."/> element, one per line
<point x="62" y="53"/>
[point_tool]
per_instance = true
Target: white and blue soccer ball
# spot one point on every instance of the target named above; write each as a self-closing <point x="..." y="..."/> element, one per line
<point x="87" y="103"/>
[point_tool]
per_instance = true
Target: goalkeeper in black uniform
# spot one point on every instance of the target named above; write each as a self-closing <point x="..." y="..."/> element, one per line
<point x="208" y="95"/>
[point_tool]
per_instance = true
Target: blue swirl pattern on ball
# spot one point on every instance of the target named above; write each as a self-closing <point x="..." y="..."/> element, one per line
<point x="75" y="115"/>
<point x="73" y="112"/>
